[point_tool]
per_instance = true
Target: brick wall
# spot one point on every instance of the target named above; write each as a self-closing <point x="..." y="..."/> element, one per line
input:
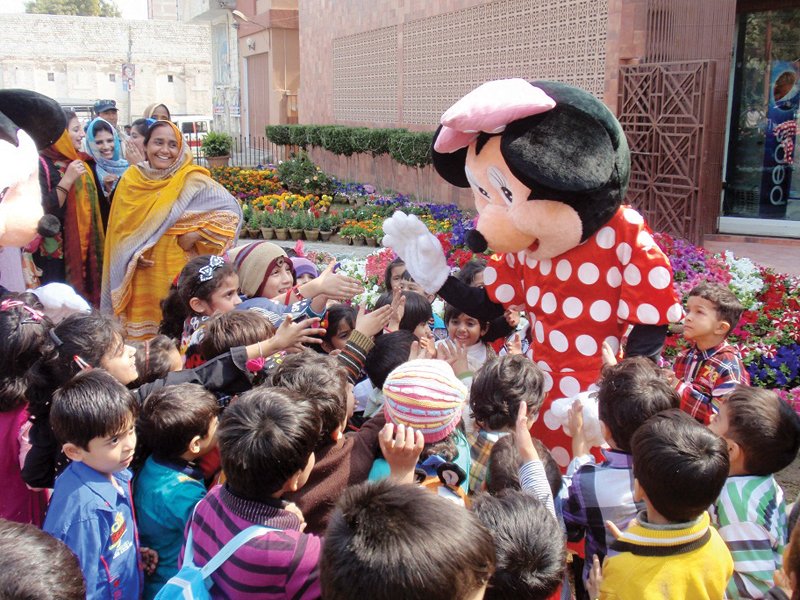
<point x="81" y="53"/>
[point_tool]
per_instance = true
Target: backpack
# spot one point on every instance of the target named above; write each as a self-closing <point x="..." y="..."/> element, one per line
<point x="192" y="582"/>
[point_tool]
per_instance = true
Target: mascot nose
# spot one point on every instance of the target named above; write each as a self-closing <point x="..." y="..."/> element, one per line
<point x="476" y="241"/>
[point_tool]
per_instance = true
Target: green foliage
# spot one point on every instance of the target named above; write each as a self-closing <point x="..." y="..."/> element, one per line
<point x="297" y="135"/>
<point x="314" y="135"/>
<point x="336" y="139"/>
<point x="217" y="143"/>
<point x="301" y="176"/>
<point x="410" y="148"/>
<point x="79" y="8"/>
<point x="279" y="134"/>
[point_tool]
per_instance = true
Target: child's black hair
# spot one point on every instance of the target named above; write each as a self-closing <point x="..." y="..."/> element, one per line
<point x="384" y="299"/>
<point x="153" y="359"/>
<point x="502" y="472"/>
<point x="417" y="310"/>
<point x="451" y="313"/>
<point x="387" y="274"/>
<point x="34" y="565"/>
<point x="390" y="351"/>
<point x="680" y="464"/>
<point x="140" y="126"/>
<point x="630" y="393"/>
<point x="265" y="438"/>
<point x="320" y="379"/>
<point x="471" y="268"/>
<point x="234" y="328"/>
<point x="766" y="428"/>
<point x="401" y="542"/>
<point x="724" y="300"/>
<point x="336" y="315"/>
<point x="173" y="415"/>
<point x="529" y="546"/>
<point x="199" y="278"/>
<point x="91" y="405"/>
<point x="498" y="388"/>
<point x="23" y="330"/>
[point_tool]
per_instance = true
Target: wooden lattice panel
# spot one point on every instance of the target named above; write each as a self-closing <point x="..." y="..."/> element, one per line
<point x="663" y="109"/>
<point x="365" y="76"/>
<point x="447" y="55"/>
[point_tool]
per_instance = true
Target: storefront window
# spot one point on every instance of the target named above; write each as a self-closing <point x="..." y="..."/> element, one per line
<point x="763" y="169"/>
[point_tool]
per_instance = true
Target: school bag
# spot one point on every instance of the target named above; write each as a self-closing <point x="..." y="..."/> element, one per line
<point x="192" y="582"/>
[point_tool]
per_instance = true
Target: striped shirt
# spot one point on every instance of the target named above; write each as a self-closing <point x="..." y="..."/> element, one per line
<point x="279" y="564"/>
<point x="751" y="517"/>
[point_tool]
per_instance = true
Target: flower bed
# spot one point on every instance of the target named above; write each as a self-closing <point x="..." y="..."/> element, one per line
<point x="248" y="184"/>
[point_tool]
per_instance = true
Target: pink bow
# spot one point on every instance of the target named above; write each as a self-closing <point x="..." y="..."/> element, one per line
<point x="9" y="304"/>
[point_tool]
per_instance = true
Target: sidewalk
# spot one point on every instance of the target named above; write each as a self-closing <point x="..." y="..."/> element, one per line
<point x="781" y="254"/>
<point x="337" y="250"/>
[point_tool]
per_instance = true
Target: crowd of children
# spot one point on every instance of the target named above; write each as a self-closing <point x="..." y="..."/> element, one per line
<point x="277" y="442"/>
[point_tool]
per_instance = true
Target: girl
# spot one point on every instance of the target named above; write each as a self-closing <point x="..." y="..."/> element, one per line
<point x="138" y="132"/>
<point x="417" y="316"/>
<point x="393" y="274"/>
<point x="155" y="358"/>
<point x="23" y="329"/>
<point x="102" y="141"/>
<point x="341" y="320"/>
<point x="468" y="333"/>
<point x="304" y="269"/>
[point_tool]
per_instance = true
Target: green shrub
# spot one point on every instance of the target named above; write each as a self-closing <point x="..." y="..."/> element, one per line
<point x="301" y="176"/>
<point x="217" y="143"/>
<point x="297" y="135"/>
<point x="279" y="134"/>
<point x="411" y="148"/>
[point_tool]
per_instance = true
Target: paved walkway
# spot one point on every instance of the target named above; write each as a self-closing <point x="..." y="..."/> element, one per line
<point x="338" y="250"/>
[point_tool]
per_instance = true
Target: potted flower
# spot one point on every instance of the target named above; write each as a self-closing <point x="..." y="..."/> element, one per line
<point x="217" y="148"/>
<point x="297" y="223"/>
<point x="311" y="228"/>
<point x="265" y="225"/>
<point x="252" y="223"/>
<point x="280" y="221"/>
<point x="325" y="228"/>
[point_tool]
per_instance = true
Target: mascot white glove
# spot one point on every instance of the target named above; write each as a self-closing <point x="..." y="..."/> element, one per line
<point x="419" y="249"/>
<point x="60" y="301"/>
<point x="558" y="414"/>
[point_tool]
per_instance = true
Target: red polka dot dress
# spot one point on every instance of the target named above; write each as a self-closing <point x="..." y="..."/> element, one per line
<point x="578" y="300"/>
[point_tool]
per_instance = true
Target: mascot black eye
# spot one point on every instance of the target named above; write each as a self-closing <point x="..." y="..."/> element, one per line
<point x="483" y="192"/>
<point x="507" y="194"/>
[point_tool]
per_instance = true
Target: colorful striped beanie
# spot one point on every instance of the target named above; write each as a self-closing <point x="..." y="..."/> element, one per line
<point x="424" y="394"/>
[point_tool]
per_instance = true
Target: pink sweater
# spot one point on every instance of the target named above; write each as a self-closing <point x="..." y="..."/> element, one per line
<point x="17" y="502"/>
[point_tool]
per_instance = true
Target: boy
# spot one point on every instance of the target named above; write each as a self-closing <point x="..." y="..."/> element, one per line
<point x="91" y="510"/>
<point x="630" y="393"/>
<point x="670" y="550"/>
<point x="266" y="441"/>
<point x="178" y="425"/>
<point x="341" y="460"/>
<point x="389" y="541"/>
<point x="763" y="435"/>
<point x="494" y="400"/>
<point x="711" y="367"/>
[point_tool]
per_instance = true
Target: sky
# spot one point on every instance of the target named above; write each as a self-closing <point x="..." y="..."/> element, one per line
<point x="130" y="9"/>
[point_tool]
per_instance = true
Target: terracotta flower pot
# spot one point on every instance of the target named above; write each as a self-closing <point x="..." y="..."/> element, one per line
<point x="371" y="241"/>
<point x="217" y="161"/>
<point x="297" y="234"/>
<point x="253" y="233"/>
<point x="268" y="233"/>
<point x="325" y="235"/>
<point x="281" y="233"/>
<point x="312" y="235"/>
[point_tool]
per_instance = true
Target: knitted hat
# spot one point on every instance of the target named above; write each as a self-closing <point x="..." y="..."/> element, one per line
<point x="424" y="394"/>
<point x="254" y="262"/>
<point x="303" y="266"/>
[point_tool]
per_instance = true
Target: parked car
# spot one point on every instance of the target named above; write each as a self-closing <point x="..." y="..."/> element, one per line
<point x="194" y="129"/>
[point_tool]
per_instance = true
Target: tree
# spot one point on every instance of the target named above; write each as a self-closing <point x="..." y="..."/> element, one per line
<point x="80" y="8"/>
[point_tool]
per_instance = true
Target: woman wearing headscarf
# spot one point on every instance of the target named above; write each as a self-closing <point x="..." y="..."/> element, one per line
<point x="103" y="144"/>
<point x="156" y="111"/>
<point x="69" y="192"/>
<point x="165" y="210"/>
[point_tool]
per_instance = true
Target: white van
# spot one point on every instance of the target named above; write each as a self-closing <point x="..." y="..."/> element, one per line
<point x="194" y="129"/>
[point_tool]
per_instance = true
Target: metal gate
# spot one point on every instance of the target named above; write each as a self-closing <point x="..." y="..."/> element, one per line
<point x="665" y="109"/>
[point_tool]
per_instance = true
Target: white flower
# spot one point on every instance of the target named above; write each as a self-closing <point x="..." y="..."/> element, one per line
<point x="746" y="280"/>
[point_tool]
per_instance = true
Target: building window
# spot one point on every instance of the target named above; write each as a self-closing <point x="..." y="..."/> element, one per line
<point x="112" y="77"/>
<point x="169" y="78"/>
<point x="51" y="77"/>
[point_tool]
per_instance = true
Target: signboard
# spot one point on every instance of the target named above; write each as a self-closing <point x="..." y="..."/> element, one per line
<point x="128" y="77"/>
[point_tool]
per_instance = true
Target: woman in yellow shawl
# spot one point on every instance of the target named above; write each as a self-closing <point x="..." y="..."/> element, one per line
<point x="165" y="210"/>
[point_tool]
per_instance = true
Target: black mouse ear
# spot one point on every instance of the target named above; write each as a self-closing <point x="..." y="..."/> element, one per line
<point x="450" y="165"/>
<point x="451" y="474"/>
<point x="476" y="242"/>
<point x="420" y="475"/>
<point x="41" y="117"/>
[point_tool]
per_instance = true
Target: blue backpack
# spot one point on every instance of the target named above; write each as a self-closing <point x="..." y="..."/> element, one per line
<point x="193" y="582"/>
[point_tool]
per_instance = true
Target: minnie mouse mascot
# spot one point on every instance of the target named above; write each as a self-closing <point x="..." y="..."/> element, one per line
<point x="548" y="165"/>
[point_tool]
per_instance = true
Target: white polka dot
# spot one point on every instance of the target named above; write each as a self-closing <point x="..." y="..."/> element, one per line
<point x="531" y="262"/>
<point x="588" y="273"/>
<point x="521" y="256"/>
<point x="572" y="307"/>
<point x="613" y="341"/>
<point x="622" y="310"/>
<point x="511" y="260"/>
<point x="659" y="277"/>
<point x="532" y="297"/>
<point x="632" y="275"/>
<point x="593" y="387"/>
<point x="551" y="421"/>
<point x="567" y="370"/>
<point x="675" y="313"/>
<point x="560" y="455"/>
<point x="489" y="275"/>
<point x="624" y="252"/>
<point x="569" y="386"/>
<point x="645" y="240"/>
<point x="558" y="341"/>
<point x="632" y="217"/>
<point x="548" y="382"/>
<point x="504" y="293"/>
<point x="543" y="366"/>
<point x="614" y="277"/>
<point x="563" y="270"/>
<point x="606" y="237"/>
<point x="647" y="314"/>
<point x="586" y="345"/>
<point x="549" y="303"/>
<point x="545" y="266"/>
<point x="600" y="310"/>
<point x="538" y="329"/>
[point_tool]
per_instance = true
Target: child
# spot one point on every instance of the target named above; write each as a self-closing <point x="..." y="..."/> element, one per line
<point x="670" y="550"/>
<point x="417" y="314"/>
<point x="494" y="401"/>
<point x="468" y="333"/>
<point x="236" y="328"/>
<point x="529" y="546"/>
<point x="763" y="436"/>
<point x="711" y="367"/>
<point x="630" y="393"/>
<point x="341" y="460"/>
<point x="390" y="351"/>
<point x="304" y="269"/>
<point x="34" y="565"/>
<point x="91" y="510"/>
<point x="393" y="274"/>
<point x="341" y="320"/>
<point x="267" y="441"/>
<point x="177" y="425"/>
<point x="787" y="580"/>
<point x="502" y="472"/>
<point x="155" y="358"/>
<point x="23" y="330"/>
<point x="437" y="325"/>
<point x="387" y="541"/>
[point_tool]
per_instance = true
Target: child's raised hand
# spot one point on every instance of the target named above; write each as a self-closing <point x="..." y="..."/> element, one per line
<point x="372" y="323"/>
<point x="398" y="306"/>
<point x="401" y="448"/>
<point x="513" y="345"/>
<point x="512" y="317"/>
<point x="454" y="354"/>
<point x="427" y="345"/>
<point x="149" y="560"/>
<point x="522" y="437"/>
<point x="609" y="358"/>
<point x="595" y="578"/>
<point x="338" y="286"/>
<point x="291" y="336"/>
<point x="580" y="446"/>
